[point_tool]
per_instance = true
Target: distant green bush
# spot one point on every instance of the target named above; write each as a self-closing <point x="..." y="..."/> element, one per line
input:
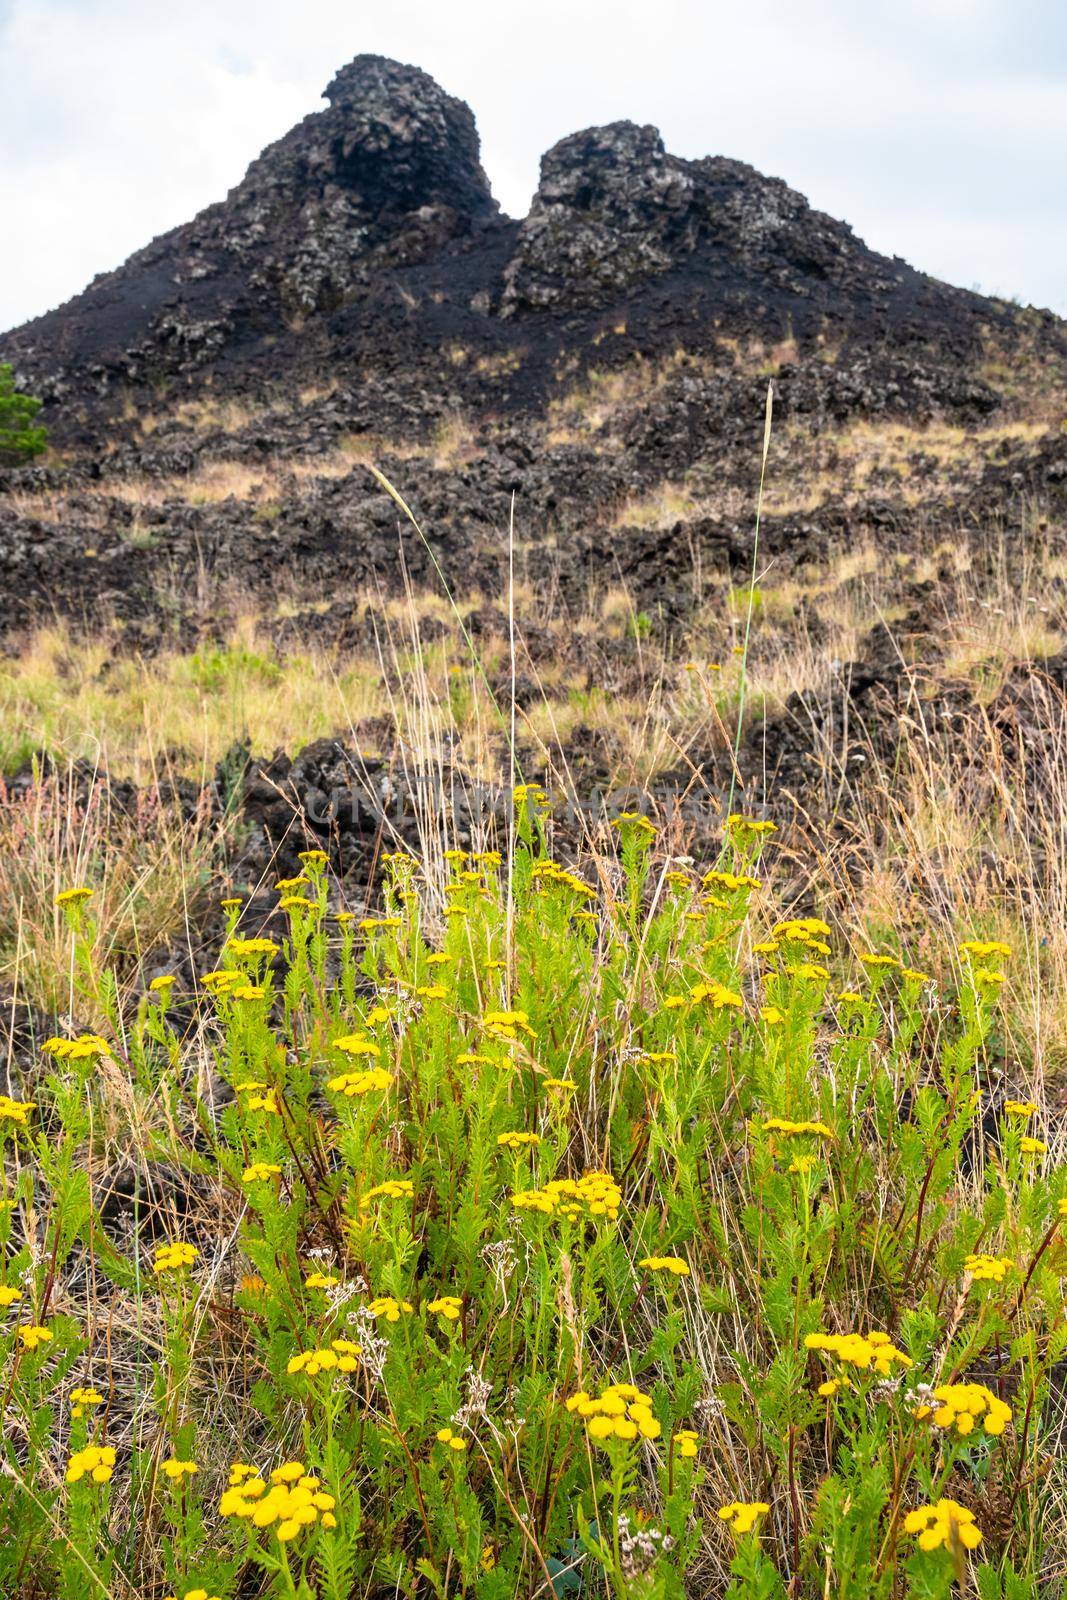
<point x="19" y="440"/>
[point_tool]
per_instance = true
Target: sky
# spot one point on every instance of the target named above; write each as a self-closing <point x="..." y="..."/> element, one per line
<point x="936" y="128"/>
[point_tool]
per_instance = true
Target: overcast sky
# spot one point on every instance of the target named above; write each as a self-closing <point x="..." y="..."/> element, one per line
<point x="937" y="128"/>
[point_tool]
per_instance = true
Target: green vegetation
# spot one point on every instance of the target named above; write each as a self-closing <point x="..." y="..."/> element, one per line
<point x="20" y="439"/>
<point x="559" y="1230"/>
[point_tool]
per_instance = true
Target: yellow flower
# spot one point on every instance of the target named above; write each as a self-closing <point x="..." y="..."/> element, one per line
<point x="313" y="858"/>
<point x="962" y="1405"/>
<point x="988" y="1269"/>
<point x="176" y="1470"/>
<point x="342" y="1355"/>
<point x="321" y="1280"/>
<point x="251" y="947"/>
<point x="596" y="1194"/>
<point x="385" y="1306"/>
<point x="296" y="902"/>
<point x="947" y="1523"/>
<point x="621" y="1411"/>
<point x="283" y="885"/>
<point x="687" y="1442"/>
<point x="352" y="1084"/>
<point x="718" y="994"/>
<point x="193" y="1594"/>
<point x="1020" y="1108"/>
<point x="173" y="1257"/>
<point x="672" y="1264"/>
<point x="1031" y="1146"/>
<point x="73" y="897"/>
<point x="984" y="948"/>
<point x="516" y="1140"/>
<point x="81" y="1400"/>
<point x="161" y="984"/>
<point x="32" y="1336"/>
<point x="796" y="1129"/>
<point x="294" y="1500"/>
<point x="873" y="961"/>
<point x="9" y="1296"/>
<point x="391" y="1189"/>
<point x="559" y="1083"/>
<point x="86" y="1047"/>
<point x="95" y="1461"/>
<point x="353" y="1044"/>
<point x="749" y="827"/>
<point x="863" y="1351"/>
<point x="15" y="1110"/>
<point x="743" y="1515"/>
<point x="453" y="1440"/>
<point x="259" y="1172"/>
<point x="448" y="1306"/>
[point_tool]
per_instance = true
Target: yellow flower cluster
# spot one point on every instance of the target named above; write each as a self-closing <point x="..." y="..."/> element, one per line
<point x="172" y="1257"/>
<point x="947" y="1523"/>
<point x="688" y="1443"/>
<point x="242" y="948"/>
<point x="963" y="1405"/>
<point x="742" y="1515"/>
<point x="354" y="1044"/>
<point x="352" y="1084"/>
<point x="391" y="1189"/>
<point x="293" y="1501"/>
<point x="621" y="1411"/>
<point x="81" y="1400"/>
<point x="86" y="1047"/>
<point x="507" y="1024"/>
<point x="1020" y="1108"/>
<point x="32" y="1336"/>
<point x="982" y="949"/>
<point x="72" y="897"/>
<point x="988" y="1269"/>
<point x="518" y="1141"/>
<point x="454" y="1441"/>
<point x="193" y="1594"/>
<point x="448" y="1306"/>
<point x="9" y="1296"/>
<point x="340" y="1356"/>
<point x="863" y="1351"/>
<point x="672" y="1264"/>
<point x="15" y="1110"/>
<point x="260" y="1171"/>
<point x="96" y="1461"/>
<point x="596" y="1194"/>
<point x="796" y="1129"/>
<point x="385" y="1306"/>
<point x="552" y="872"/>
<point x="176" y="1470"/>
<point x="717" y="994"/>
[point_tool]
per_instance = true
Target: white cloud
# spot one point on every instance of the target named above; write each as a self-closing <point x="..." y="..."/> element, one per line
<point x="935" y="129"/>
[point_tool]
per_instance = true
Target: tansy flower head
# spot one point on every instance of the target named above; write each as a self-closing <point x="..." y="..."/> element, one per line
<point x="988" y="1269"/>
<point x="176" y="1470"/>
<point x="620" y="1411"/>
<point x="31" y="1336"/>
<point x="9" y="1296"/>
<point x="73" y="897"/>
<point x="742" y="1515"/>
<point x="82" y="1400"/>
<point x="594" y="1195"/>
<point x="173" y="1257"/>
<point x="962" y="1406"/>
<point x="670" y="1264"/>
<point x="17" y="1111"/>
<point x="448" y="1306"/>
<point x="946" y="1523"/>
<point x="453" y="1440"/>
<point x="260" y="1171"/>
<point x="687" y="1442"/>
<point x="95" y="1461"/>
<point x="517" y="1140"/>
<point x="355" y="1084"/>
<point x="866" y="1352"/>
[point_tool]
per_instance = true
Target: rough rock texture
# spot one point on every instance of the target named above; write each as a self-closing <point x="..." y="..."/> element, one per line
<point x="358" y="296"/>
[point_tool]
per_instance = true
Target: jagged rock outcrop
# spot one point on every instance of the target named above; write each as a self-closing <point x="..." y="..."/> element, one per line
<point x="359" y="294"/>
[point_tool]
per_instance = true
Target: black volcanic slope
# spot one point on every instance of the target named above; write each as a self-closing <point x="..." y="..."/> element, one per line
<point x="360" y="284"/>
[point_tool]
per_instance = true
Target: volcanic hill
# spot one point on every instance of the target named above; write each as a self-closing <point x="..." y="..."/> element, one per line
<point x="359" y="296"/>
